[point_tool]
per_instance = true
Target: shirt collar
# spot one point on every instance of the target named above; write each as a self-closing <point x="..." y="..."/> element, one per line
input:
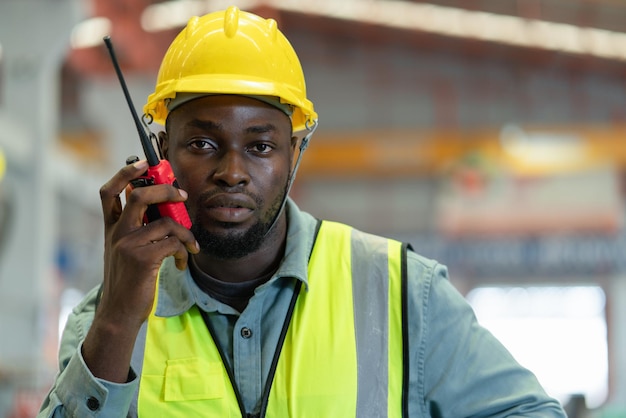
<point x="178" y="292"/>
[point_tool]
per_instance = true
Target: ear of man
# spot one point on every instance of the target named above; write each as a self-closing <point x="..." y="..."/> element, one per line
<point x="164" y="143"/>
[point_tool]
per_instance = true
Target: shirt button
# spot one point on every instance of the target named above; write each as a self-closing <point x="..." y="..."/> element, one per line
<point x="246" y="332"/>
<point x="93" y="404"/>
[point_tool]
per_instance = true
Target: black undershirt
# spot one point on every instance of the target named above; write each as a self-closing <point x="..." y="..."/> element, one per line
<point x="233" y="294"/>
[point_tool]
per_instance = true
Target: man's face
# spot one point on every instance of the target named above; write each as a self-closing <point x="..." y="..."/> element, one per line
<point x="233" y="156"/>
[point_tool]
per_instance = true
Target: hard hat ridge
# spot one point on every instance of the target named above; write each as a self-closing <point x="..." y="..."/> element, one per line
<point x="231" y="21"/>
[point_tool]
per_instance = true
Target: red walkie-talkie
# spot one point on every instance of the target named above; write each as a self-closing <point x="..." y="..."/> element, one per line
<point x="159" y="171"/>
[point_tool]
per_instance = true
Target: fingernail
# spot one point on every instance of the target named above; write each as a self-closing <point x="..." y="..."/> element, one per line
<point x="183" y="193"/>
<point x="141" y="164"/>
<point x="197" y="246"/>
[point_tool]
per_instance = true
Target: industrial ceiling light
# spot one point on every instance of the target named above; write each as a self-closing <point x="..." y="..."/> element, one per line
<point x="90" y="32"/>
<point x="540" y="151"/>
<point x="485" y="26"/>
<point x="430" y="18"/>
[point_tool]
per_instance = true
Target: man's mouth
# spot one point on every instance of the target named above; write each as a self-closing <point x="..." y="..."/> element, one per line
<point x="229" y="208"/>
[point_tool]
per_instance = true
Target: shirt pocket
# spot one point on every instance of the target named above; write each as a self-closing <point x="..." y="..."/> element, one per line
<point x="193" y="378"/>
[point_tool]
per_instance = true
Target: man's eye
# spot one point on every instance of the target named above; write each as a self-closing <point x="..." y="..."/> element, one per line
<point x="201" y="144"/>
<point x="261" y="148"/>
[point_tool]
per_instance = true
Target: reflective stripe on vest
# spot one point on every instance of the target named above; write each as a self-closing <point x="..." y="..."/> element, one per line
<point x="342" y="354"/>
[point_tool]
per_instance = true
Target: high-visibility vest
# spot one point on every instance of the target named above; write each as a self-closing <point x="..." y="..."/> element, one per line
<point x="342" y="353"/>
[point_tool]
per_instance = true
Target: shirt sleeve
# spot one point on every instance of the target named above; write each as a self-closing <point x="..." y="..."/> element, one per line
<point x="76" y="392"/>
<point x="457" y="367"/>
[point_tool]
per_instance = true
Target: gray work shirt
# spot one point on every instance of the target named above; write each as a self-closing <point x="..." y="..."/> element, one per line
<point x="457" y="368"/>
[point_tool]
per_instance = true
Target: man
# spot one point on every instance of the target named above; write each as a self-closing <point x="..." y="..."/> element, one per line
<point x="260" y="309"/>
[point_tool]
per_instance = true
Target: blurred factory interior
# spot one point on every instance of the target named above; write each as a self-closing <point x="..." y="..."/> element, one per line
<point x="488" y="133"/>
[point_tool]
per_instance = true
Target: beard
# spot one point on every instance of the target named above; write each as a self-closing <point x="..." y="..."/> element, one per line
<point x="235" y="244"/>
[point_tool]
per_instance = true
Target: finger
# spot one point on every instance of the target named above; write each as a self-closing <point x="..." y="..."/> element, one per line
<point x="110" y="192"/>
<point x="138" y="200"/>
<point x="169" y="246"/>
<point x="127" y="191"/>
<point x="167" y="228"/>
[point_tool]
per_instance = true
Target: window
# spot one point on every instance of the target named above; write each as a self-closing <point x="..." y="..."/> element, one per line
<point x="559" y="333"/>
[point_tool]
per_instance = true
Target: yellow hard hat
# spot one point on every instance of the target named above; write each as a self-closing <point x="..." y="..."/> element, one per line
<point x="232" y="52"/>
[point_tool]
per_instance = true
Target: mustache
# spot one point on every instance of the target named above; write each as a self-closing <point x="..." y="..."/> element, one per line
<point x="205" y="196"/>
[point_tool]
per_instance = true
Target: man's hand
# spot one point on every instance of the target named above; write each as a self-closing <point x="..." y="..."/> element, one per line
<point x="133" y="254"/>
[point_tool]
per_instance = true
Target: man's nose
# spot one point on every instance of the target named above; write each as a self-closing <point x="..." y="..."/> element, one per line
<point x="231" y="169"/>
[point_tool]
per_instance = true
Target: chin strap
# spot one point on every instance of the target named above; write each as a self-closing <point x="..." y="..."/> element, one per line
<point x="303" y="146"/>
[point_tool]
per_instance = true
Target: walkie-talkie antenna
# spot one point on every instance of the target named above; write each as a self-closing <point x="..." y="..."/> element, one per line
<point x="146" y="142"/>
